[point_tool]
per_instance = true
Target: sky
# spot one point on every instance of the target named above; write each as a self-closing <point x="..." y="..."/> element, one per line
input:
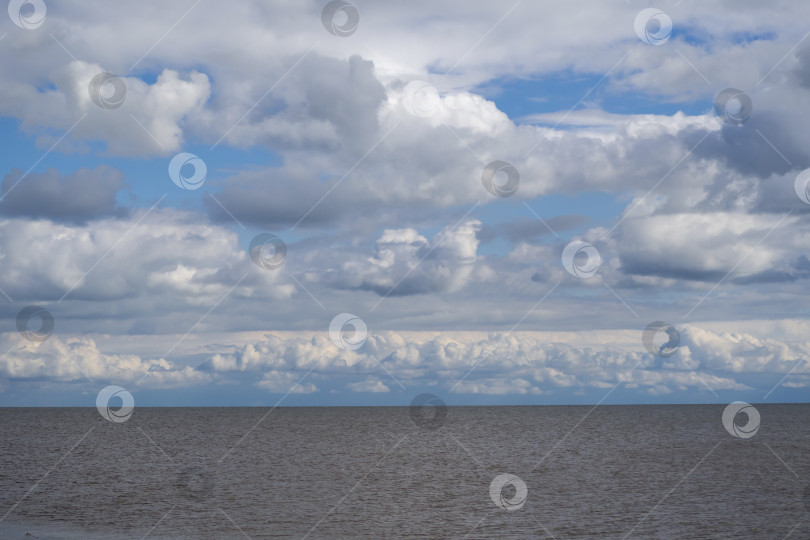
<point x="333" y="203"/>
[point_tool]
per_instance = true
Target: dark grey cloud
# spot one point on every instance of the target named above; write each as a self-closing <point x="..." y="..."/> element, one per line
<point x="345" y="93"/>
<point x="640" y="265"/>
<point x="76" y="198"/>
<point x="761" y="147"/>
<point x="802" y="70"/>
<point x="529" y="229"/>
<point x="275" y="198"/>
<point x="343" y="97"/>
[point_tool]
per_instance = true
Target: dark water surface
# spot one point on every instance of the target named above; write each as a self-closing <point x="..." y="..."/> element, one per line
<point x="646" y="471"/>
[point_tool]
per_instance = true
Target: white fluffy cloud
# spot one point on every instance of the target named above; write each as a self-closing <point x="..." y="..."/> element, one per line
<point x="149" y="120"/>
<point x="159" y="271"/>
<point x="279" y="382"/>
<point x="710" y="245"/>
<point x="78" y="359"/>
<point x="523" y="363"/>
<point x="368" y="385"/>
<point x="381" y="207"/>
<point x="467" y="363"/>
<point x="405" y="262"/>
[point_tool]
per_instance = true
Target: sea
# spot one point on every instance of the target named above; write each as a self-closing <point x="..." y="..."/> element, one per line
<point x="646" y="472"/>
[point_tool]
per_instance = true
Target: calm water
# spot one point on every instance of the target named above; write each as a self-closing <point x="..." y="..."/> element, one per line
<point x="372" y="473"/>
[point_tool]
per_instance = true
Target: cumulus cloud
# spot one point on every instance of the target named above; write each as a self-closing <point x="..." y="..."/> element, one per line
<point x="498" y="386"/>
<point x="526" y="363"/>
<point x="279" y="382"/>
<point x="153" y="265"/>
<point x="368" y="385"/>
<point x="521" y="364"/>
<point x="414" y="164"/>
<point x="147" y="122"/>
<point x="311" y="136"/>
<point x="738" y="352"/>
<point x="78" y="358"/>
<point x="406" y="263"/>
<point x="708" y="246"/>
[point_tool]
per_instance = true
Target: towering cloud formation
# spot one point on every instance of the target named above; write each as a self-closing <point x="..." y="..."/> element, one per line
<point x="364" y="150"/>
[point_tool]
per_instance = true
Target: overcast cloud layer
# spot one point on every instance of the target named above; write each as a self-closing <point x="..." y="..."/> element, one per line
<point x="369" y="157"/>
